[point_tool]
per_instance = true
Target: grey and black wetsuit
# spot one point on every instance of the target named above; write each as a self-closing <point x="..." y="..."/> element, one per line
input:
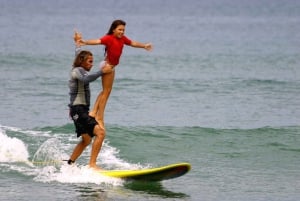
<point x="79" y="85"/>
<point x="80" y="95"/>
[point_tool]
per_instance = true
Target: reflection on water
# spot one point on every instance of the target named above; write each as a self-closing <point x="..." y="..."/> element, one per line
<point x="130" y="191"/>
<point x="90" y="192"/>
<point x="154" y="188"/>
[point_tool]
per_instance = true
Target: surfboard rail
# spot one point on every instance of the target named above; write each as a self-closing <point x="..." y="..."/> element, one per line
<point x="153" y="174"/>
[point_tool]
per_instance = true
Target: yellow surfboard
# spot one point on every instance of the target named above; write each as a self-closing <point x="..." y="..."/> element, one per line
<point x="153" y="174"/>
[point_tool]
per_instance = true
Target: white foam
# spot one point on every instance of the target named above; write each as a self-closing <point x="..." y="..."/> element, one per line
<point x="75" y="174"/>
<point x="49" y="152"/>
<point x="12" y="149"/>
<point x="28" y="132"/>
<point x="109" y="158"/>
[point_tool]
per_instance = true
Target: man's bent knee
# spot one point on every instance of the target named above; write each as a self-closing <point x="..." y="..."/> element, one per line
<point x="86" y="139"/>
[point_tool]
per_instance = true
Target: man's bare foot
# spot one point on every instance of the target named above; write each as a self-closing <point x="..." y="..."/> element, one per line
<point x="95" y="167"/>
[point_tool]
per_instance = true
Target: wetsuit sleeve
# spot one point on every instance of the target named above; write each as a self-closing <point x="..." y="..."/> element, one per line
<point x="84" y="76"/>
<point x="77" y="50"/>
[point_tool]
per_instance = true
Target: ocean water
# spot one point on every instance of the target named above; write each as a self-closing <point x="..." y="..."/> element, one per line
<point x="220" y="90"/>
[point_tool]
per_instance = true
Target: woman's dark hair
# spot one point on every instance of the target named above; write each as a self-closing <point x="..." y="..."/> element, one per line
<point x="81" y="57"/>
<point x="114" y="25"/>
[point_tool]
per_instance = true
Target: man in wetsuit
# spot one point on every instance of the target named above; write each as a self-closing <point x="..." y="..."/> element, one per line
<point x="86" y="126"/>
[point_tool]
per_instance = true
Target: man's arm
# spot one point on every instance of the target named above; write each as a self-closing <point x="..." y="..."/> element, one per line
<point x="82" y="75"/>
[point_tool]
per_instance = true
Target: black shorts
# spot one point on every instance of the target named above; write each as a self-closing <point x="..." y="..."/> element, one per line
<point x="82" y="121"/>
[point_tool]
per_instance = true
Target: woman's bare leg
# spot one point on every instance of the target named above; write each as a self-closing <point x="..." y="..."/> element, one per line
<point x="99" y="106"/>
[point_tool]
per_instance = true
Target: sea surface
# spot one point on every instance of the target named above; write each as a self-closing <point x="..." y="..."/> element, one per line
<point x="220" y="90"/>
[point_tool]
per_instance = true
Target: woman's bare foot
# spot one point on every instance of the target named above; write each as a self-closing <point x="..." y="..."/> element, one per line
<point x="101" y="124"/>
<point x="92" y="114"/>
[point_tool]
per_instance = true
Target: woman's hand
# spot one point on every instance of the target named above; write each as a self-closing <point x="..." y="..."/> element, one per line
<point x="148" y="46"/>
<point x="77" y="36"/>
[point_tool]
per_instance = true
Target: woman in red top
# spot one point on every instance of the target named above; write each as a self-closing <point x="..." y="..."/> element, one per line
<point x="114" y="41"/>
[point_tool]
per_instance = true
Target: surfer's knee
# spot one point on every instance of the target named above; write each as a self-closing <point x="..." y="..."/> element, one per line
<point x="99" y="131"/>
<point x="86" y="140"/>
<point x="106" y="91"/>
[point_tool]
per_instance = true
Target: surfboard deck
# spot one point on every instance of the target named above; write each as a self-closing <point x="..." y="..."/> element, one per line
<point x="153" y="174"/>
